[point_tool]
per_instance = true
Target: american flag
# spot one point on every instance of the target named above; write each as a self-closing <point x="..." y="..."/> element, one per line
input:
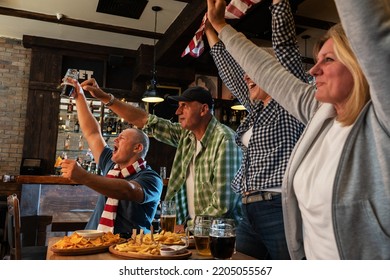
<point x="238" y="8"/>
<point x="235" y="10"/>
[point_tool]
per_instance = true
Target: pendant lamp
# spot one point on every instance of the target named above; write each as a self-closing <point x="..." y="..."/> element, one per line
<point x="237" y="105"/>
<point x="151" y="94"/>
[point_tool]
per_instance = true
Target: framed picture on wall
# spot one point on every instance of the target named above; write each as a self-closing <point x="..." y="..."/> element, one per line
<point x="208" y="82"/>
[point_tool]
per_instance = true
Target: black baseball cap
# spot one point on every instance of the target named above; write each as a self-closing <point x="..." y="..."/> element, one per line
<point x="199" y="94"/>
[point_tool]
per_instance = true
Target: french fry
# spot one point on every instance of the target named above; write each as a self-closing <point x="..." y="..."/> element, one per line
<point x="150" y="243"/>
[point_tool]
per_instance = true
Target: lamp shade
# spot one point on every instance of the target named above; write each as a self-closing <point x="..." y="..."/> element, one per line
<point x="151" y="94"/>
<point x="237" y="106"/>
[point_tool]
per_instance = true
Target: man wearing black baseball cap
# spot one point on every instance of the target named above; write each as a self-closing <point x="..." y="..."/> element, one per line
<point x="198" y="94"/>
<point x="206" y="158"/>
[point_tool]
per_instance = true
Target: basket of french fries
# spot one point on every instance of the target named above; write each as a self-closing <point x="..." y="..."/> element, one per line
<point x="153" y="246"/>
<point x="75" y="244"/>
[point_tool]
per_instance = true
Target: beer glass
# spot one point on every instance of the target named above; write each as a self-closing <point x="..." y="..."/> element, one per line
<point x="168" y="215"/>
<point x="222" y="238"/>
<point x="202" y="225"/>
<point x="67" y="88"/>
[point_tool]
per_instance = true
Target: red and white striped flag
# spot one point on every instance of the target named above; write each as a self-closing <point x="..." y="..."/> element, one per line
<point x="196" y="46"/>
<point x="238" y="8"/>
<point x="235" y="10"/>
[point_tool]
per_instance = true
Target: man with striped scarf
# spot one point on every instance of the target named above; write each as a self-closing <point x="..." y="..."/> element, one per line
<point x="130" y="190"/>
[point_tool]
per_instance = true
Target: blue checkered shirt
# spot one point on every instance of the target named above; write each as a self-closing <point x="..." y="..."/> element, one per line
<point x="275" y="131"/>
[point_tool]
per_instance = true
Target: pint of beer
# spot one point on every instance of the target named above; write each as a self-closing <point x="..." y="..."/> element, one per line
<point x="168" y="222"/>
<point x="202" y="245"/>
<point x="168" y="215"/>
<point x="202" y="225"/>
<point x="222" y="247"/>
<point x="222" y="239"/>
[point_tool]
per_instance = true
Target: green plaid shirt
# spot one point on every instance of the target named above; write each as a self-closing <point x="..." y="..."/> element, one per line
<point x="215" y="167"/>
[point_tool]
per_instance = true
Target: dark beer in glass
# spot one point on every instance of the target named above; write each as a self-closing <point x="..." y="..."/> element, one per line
<point x="222" y="238"/>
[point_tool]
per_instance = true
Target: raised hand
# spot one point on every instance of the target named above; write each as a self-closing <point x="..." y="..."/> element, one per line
<point x="92" y="86"/>
<point x="216" y="13"/>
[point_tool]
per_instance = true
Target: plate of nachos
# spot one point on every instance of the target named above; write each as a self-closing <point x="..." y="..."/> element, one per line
<point x="75" y="244"/>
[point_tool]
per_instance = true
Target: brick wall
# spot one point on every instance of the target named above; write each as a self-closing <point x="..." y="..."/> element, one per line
<point x="14" y="79"/>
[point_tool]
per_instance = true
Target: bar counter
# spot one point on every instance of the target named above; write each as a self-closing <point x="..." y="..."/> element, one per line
<point x="15" y="186"/>
<point x="48" y="179"/>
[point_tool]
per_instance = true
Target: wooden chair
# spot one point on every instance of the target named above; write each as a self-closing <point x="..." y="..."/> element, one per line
<point x="3" y="215"/>
<point x="14" y="234"/>
<point x="34" y="229"/>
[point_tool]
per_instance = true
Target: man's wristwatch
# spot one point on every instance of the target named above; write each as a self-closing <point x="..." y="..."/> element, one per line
<point x="111" y="101"/>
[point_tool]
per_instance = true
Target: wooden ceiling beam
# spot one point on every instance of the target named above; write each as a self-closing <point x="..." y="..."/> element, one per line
<point x="79" y="23"/>
<point x="41" y="42"/>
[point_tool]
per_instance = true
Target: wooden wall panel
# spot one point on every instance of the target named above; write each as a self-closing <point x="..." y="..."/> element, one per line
<point x="42" y="127"/>
<point x="45" y="66"/>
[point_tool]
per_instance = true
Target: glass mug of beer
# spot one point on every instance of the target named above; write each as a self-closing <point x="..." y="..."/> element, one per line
<point x="168" y="215"/>
<point x="201" y="229"/>
<point x="222" y="238"/>
<point x="67" y="88"/>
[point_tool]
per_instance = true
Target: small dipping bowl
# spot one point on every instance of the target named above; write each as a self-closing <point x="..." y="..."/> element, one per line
<point x="90" y="233"/>
<point x="172" y="250"/>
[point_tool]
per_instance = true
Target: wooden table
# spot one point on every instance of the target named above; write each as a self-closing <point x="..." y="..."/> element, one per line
<point x="70" y="221"/>
<point x="108" y="256"/>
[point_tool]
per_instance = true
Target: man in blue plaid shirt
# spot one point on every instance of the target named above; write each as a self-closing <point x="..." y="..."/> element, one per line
<point x="206" y="159"/>
<point x="266" y="137"/>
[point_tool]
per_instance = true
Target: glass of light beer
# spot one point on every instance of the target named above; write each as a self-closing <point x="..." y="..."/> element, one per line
<point x="168" y="215"/>
<point x="202" y="225"/>
<point x="222" y="238"/>
<point x="67" y="87"/>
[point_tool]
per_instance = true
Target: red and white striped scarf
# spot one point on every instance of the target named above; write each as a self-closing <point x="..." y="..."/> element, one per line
<point x="107" y="219"/>
<point x="235" y="10"/>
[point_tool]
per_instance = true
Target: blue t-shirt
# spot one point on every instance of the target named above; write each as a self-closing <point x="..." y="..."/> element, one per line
<point x="130" y="214"/>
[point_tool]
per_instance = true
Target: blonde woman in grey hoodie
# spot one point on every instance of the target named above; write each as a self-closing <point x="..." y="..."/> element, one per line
<point x="336" y="190"/>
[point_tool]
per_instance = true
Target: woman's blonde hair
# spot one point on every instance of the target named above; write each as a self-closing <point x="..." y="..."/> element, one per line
<point x="360" y="93"/>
